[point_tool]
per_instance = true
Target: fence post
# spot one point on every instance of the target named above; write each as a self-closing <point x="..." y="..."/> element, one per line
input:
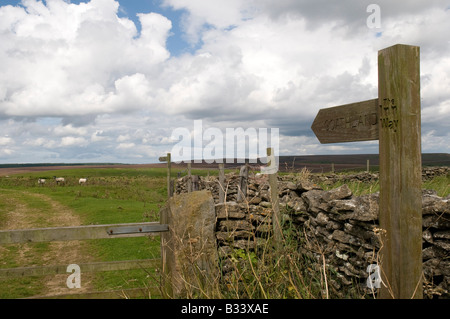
<point x="276" y="216"/>
<point x="189" y="182"/>
<point x="169" y="184"/>
<point x="221" y="183"/>
<point x="243" y="180"/>
<point x="195" y="183"/>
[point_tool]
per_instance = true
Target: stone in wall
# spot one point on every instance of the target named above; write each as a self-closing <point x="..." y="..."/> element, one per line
<point x="339" y="226"/>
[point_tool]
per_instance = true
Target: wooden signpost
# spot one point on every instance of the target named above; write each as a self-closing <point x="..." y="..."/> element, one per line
<point x="347" y="123"/>
<point x="394" y="119"/>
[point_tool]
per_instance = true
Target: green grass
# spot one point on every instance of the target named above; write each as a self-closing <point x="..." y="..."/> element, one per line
<point x="125" y="195"/>
<point x="111" y="196"/>
<point x="441" y="184"/>
<point x="357" y="188"/>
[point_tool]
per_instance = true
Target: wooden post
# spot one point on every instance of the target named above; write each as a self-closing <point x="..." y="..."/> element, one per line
<point x="368" y="168"/>
<point x="243" y="179"/>
<point x="394" y="119"/>
<point x="400" y="171"/>
<point x="189" y="181"/>
<point x="221" y="183"/>
<point x="166" y="284"/>
<point x="276" y="216"/>
<point x="169" y="184"/>
<point x="195" y="183"/>
<point x="332" y="167"/>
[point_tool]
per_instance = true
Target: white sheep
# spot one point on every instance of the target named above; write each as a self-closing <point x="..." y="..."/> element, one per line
<point x="59" y="180"/>
<point x="82" y="181"/>
<point x="41" y="181"/>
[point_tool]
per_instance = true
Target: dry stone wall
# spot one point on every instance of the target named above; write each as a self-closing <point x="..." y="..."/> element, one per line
<point x="335" y="224"/>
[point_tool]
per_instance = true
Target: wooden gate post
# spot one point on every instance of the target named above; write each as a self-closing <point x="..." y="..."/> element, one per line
<point x="400" y="171"/>
<point x="166" y="284"/>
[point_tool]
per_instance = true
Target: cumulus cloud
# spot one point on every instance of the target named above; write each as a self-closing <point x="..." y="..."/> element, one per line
<point x="81" y="82"/>
<point x="73" y="141"/>
<point x="62" y="59"/>
<point x="40" y="142"/>
<point x="5" y="141"/>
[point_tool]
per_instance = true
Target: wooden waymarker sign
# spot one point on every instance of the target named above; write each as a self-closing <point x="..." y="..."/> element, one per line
<point x="163" y="159"/>
<point x="397" y="127"/>
<point x="400" y="171"/>
<point x="347" y="123"/>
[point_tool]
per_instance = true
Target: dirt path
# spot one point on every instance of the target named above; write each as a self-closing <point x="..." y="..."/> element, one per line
<point x="22" y="214"/>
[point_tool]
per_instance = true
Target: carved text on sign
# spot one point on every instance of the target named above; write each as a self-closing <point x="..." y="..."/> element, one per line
<point x="349" y="122"/>
<point x="388" y="114"/>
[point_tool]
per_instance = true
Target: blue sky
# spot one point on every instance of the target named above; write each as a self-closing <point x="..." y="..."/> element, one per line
<point x="176" y="44"/>
<point x="110" y="81"/>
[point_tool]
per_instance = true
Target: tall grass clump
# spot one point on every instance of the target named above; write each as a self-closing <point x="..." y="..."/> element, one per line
<point x="296" y="269"/>
<point x="269" y="273"/>
<point x="441" y="184"/>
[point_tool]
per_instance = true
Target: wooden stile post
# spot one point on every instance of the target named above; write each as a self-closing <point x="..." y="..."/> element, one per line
<point x="400" y="171"/>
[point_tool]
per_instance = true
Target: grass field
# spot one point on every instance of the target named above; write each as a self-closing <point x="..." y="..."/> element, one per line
<point x="111" y="195"/>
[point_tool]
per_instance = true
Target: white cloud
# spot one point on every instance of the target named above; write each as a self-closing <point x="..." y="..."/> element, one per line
<point x="97" y="136"/>
<point x="63" y="59"/>
<point x="73" y="141"/>
<point x="69" y="130"/>
<point x="79" y="77"/>
<point x="41" y="142"/>
<point x="126" y="146"/>
<point x="123" y="138"/>
<point x="6" y="152"/>
<point x="217" y="13"/>
<point x="5" y="141"/>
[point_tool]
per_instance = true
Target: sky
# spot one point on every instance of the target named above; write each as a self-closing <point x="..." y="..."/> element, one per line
<point x="111" y="81"/>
